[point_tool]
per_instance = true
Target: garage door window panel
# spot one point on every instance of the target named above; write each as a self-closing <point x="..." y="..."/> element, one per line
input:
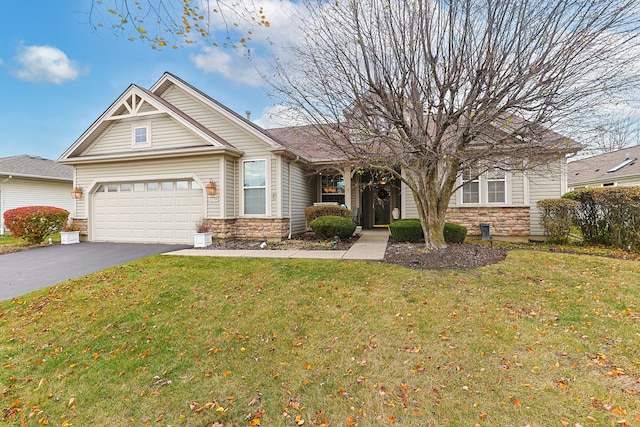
<point x="255" y="187"/>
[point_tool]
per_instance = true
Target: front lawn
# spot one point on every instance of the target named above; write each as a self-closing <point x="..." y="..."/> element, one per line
<point x="541" y="339"/>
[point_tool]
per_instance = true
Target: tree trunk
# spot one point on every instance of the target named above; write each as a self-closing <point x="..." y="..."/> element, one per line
<point x="431" y="194"/>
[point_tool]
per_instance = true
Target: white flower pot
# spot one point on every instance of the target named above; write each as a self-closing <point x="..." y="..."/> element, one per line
<point x="69" y="237"/>
<point x="202" y="240"/>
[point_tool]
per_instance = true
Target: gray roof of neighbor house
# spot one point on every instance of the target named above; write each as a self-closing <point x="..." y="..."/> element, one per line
<point x="26" y="166"/>
<point x="605" y="167"/>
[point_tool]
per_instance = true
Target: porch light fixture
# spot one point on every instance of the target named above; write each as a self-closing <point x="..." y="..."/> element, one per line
<point x="211" y="188"/>
<point x="76" y="193"/>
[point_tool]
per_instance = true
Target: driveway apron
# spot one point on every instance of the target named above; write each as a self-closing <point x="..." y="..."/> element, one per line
<point x="27" y="271"/>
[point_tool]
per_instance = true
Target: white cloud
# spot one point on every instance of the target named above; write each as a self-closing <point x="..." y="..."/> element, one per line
<point x="277" y="116"/>
<point x="231" y="64"/>
<point x="234" y="63"/>
<point x="45" y="64"/>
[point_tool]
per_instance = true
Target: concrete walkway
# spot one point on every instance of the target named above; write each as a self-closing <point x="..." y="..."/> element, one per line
<point x="371" y="245"/>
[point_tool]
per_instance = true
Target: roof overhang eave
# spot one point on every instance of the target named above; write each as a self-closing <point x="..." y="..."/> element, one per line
<point x="152" y="155"/>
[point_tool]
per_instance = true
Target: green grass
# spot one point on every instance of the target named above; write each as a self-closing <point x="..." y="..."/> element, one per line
<point x="540" y="339"/>
<point x="10" y="244"/>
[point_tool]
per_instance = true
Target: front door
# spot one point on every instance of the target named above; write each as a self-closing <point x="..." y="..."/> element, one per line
<point x="382" y="205"/>
<point x="378" y="202"/>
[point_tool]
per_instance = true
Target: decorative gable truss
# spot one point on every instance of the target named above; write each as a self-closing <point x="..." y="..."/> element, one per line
<point x="133" y="106"/>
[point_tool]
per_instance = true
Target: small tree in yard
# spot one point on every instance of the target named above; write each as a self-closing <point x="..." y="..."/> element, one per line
<point x="35" y="223"/>
<point x="426" y="90"/>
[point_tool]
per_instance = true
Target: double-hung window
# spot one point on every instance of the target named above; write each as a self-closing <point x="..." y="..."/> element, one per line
<point x="484" y="189"/>
<point x="471" y="186"/>
<point x="254" y="187"/>
<point x="496" y="186"/>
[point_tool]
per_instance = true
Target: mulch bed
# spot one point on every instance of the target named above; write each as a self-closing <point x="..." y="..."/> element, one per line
<point x="410" y="255"/>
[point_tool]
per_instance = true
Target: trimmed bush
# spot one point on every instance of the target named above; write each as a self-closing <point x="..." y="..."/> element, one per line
<point x="609" y="215"/>
<point x="326" y="227"/>
<point x="35" y="223"/>
<point x="406" y="230"/>
<point x="454" y="233"/>
<point x="556" y="217"/>
<point x="313" y="212"/>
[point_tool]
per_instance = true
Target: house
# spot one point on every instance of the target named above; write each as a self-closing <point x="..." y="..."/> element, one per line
<point x="33" y="181"/>
<point x="619" y="167"/>
<point x="159" y="160"/>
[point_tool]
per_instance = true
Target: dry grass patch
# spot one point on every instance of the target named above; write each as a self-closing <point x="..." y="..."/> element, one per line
<point x="540" y="339"/>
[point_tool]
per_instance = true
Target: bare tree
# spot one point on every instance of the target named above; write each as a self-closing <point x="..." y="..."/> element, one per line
<point x="612" y="135"/>
<point x="427" y="89"/>
<point x="179" y="22"/>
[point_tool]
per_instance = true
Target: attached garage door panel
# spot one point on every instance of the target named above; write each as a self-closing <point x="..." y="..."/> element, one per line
<point x="146" y="216"/>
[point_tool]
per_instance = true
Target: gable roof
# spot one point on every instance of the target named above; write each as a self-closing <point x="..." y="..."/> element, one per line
<point x="26" y="166"/>
<point x="605" y="167"/>
<point x="167" y="80"/>
<point x="128" y="104"/>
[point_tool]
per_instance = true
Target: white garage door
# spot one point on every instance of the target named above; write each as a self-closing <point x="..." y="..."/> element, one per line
<point x="147" y="212"/>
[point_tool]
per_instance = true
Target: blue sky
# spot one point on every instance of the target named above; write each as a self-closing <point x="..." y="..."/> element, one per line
<point x="57" y="75"/>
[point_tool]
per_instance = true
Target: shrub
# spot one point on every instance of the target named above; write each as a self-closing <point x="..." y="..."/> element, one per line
<point x="608" y="215"/>
<point x="406" y="230"/>
<point x="35" y="223"/>
<point x="454" y="233"/>
<point x="313" y="212"/>
<point x="326" y="227"/>
<point x="556" y="217"/>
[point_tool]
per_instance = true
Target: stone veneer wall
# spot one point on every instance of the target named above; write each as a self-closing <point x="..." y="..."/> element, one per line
<point x="504" y="221"/>
<point x="82" y="225"/>
<point x="250" y="228"/>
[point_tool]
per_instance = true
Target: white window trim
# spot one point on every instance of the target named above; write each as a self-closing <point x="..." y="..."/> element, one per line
<point x="484" y="191"/>
<point x="135" y="144"/>
<point x="266" y="188"/>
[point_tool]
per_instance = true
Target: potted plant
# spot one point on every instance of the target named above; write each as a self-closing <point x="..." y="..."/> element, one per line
<point x="202" y="237"/>
<point x="70" y="233"/>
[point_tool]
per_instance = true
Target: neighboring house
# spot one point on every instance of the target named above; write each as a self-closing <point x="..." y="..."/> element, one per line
<point x="145" y="164"/>
<point x="619" y="167"/>
<point x="33" y="181"/>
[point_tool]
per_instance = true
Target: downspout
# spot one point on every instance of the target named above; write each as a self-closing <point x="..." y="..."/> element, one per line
<point x="2" y="204"/>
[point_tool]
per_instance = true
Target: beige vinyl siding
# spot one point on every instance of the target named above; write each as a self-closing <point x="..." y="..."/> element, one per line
<point x="516" y="187"/>
<point x="252" y="146"/>
<point x="19" y="192"/>
<point x="231" y="188"/>
<point x="275" y="195"/>
<point x="286" y="171"/>
<point x="204" y="167"/>
<point x="544" y="183"/>
<point x="304" y="191"/>
<point x="409" y="208"/>
<point x="165" y="133"/>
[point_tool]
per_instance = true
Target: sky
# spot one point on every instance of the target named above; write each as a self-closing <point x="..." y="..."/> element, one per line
<point x="58" y="74"/>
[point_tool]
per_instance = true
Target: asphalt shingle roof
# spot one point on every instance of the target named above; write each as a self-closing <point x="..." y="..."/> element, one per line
<point x="35" y="167"/>
<point x="597" y="168"/>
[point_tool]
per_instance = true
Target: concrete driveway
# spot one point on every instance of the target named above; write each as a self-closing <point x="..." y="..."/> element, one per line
<point x="27" y="271"/>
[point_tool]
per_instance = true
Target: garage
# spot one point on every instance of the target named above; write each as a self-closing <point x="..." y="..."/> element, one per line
<point x="159" y="211"/>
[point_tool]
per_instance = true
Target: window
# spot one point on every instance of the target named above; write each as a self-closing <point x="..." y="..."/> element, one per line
<point x="488" y="188"/>
<point x="125" y="188"/>
<point x="471" y="187"/>
<point x="138" y="186"/>
<point x="141" y="136"/>
<point x="332" y="188"/>
<point x="254" y="186"/>
<point x="152" y="186"/>
<point x="496" y="186"/>
<point x="166" y="186"/>
<point x="182" y="185"/>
